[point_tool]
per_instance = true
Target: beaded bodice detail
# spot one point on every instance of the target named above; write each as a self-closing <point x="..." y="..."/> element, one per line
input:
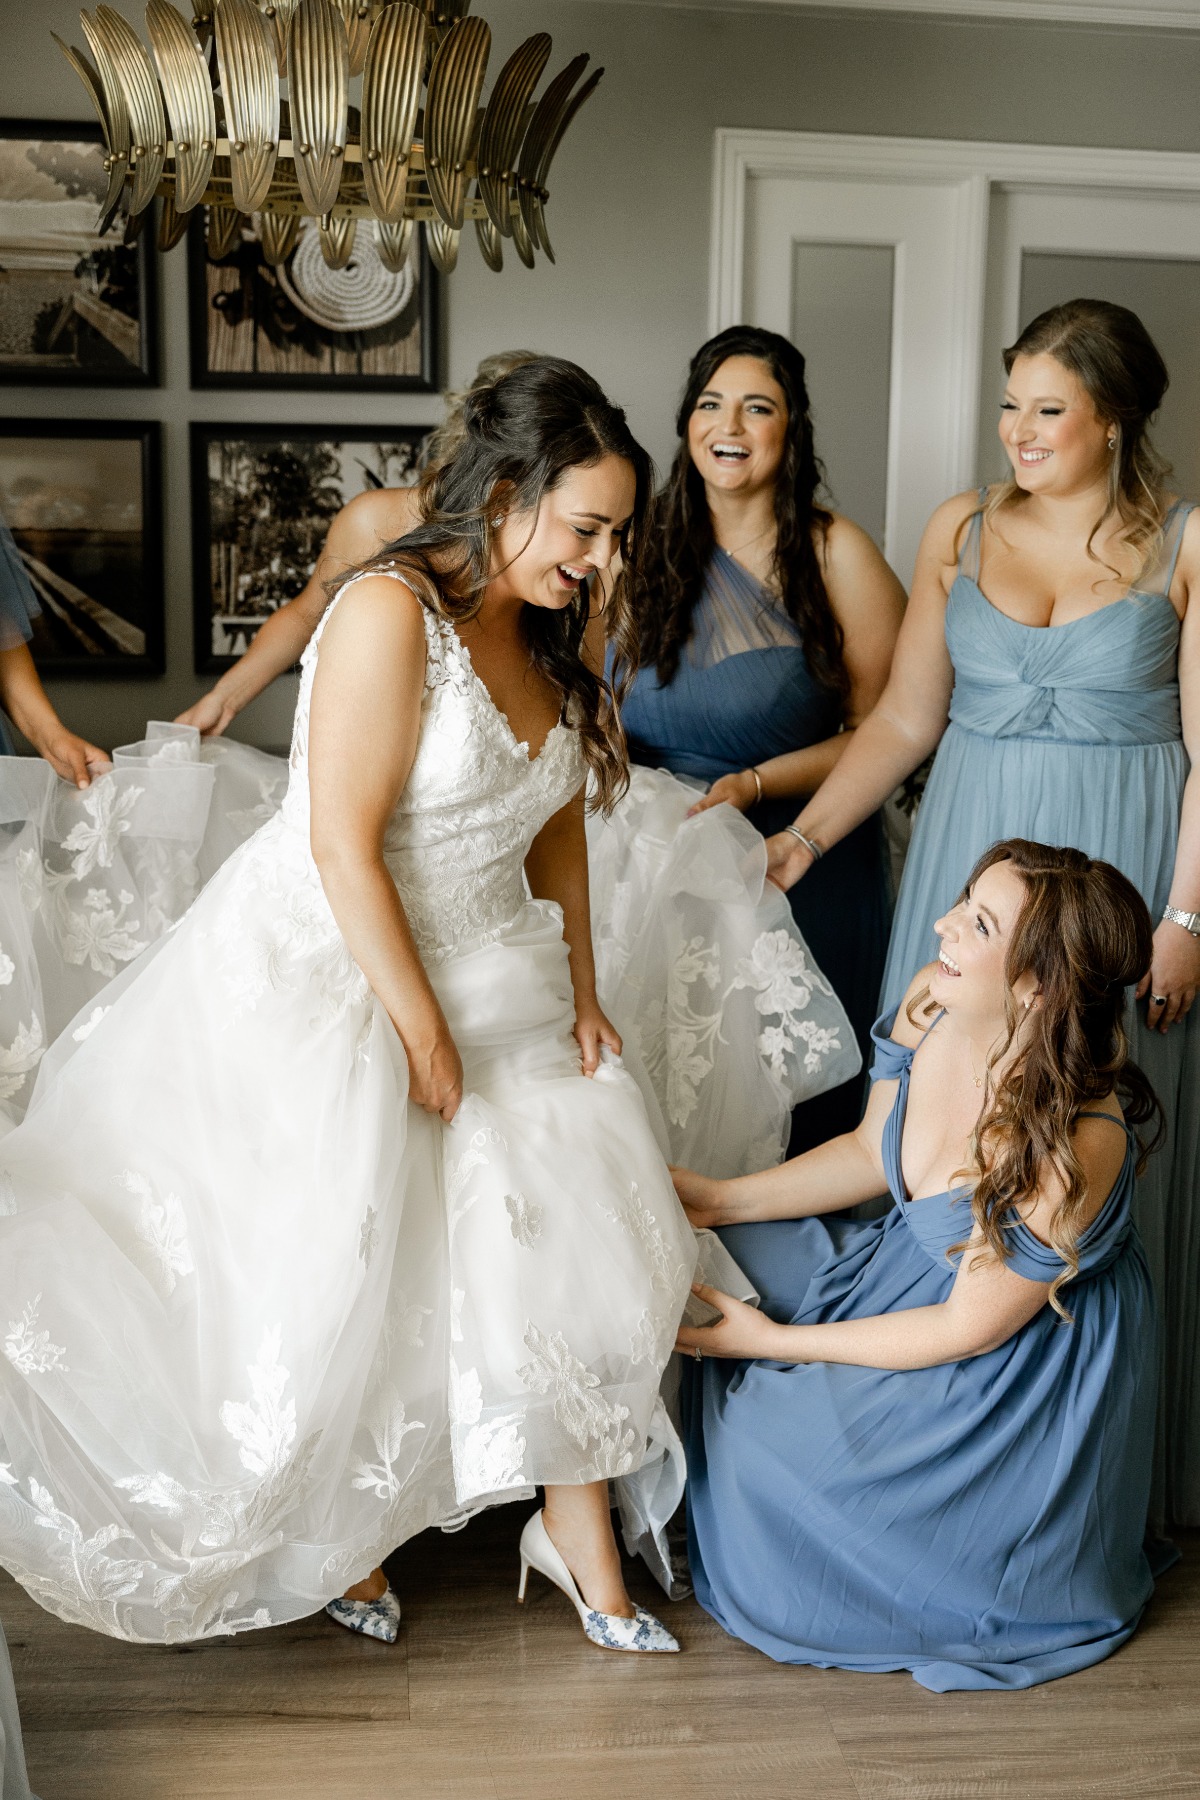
<point x="472" y="805"/>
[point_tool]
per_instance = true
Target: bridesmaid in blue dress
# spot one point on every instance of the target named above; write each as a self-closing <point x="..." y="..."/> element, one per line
<point x="768" y="624"/>
<point x="931" y="1449"/>
<point x="22" y="696"/>
<point x="1051" y="651"/>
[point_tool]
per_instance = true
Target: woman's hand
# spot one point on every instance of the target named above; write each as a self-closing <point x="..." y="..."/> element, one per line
<point x="435" y="1071"/>
<point x="704" y="1200"/>
<point x="73" y="758"/>
<point x="1170" y="987"/>
<point x="742" y="1331"/>
<point x="592" y="1030"/>
<point x="787" y="860"/>
<point x="740" y="790"/>
<point x="211" y="715"/>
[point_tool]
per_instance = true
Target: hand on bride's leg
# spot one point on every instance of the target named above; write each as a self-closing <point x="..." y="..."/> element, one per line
<point x="579" y="1525"/>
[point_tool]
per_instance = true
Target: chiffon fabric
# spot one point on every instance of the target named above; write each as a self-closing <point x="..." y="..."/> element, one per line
<point x="264" y="1320"/>
<point x="1071" y="735"/>
<point x="978" y="1523"/>
<point x="18" y="609"/>
<point x="743" y="693"/>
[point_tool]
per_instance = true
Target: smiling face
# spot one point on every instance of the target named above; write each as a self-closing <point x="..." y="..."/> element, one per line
<point x="968" y="977"/>
<point x="1056" y="441"/>
<point x="738" y="428"/>
<point x="542" y="557"/>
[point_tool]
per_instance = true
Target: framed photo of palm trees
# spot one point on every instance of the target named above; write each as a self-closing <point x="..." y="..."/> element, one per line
<point x="263" y="499"/>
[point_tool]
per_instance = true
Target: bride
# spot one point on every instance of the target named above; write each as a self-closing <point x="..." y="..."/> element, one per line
<point x="263" y="1321"/>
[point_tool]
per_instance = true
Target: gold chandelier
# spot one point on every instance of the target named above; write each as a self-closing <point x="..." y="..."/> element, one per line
<point x="206" y="124"/>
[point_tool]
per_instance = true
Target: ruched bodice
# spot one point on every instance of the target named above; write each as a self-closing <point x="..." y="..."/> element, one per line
<point x="939" y="1222"/>
<point x="472" y="805"/>
<point x="1108" y="678"/>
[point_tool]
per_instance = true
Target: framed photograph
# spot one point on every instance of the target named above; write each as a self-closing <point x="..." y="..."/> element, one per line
<point x="83" y="501"/>
<point x="263" y="499"/>
<point x="76" y="309"/>
<point x="301" y="324"/>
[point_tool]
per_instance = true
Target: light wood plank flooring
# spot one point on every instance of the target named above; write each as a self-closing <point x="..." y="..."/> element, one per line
<point x="483" y="1700"/>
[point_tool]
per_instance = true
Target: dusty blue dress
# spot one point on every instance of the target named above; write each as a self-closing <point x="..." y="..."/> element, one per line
<point x="744" y="692"/>
<point x="979" y="1523"/>
<point x="18" y="609"/>
<point x="1070" y="734"/>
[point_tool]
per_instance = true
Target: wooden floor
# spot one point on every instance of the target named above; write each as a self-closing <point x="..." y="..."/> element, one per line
<point x="482" y="1700"/>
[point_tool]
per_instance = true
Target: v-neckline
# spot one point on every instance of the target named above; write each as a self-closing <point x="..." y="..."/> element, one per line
<point x="521" y="744"/>
<point x="1127" y="599"/>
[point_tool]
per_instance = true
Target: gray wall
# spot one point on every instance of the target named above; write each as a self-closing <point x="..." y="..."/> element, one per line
<point x="630" y="214"/>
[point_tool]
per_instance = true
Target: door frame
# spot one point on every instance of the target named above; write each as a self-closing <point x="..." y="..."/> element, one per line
<point x="972" y="168"/>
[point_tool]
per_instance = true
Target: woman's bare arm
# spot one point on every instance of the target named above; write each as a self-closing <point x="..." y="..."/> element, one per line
<point x="27" y="704"/>
<point x="910" y="718"/>
<point x="556" y="869"/>
<point x="358" y="533"/>
<point x="868" y="603"/>
<point x="365" y="720"/>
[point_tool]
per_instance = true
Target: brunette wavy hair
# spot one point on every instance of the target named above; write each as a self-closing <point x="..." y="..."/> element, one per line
<point x="1084" y="933"/>
<point x="677" y="556"/>
<point x="447" y="438"/>
<point x="521" y="435"/>
<point x="1110" y="352"/>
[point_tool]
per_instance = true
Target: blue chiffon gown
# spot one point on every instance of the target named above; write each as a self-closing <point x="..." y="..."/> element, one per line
<point x="1070" y="734"/>
<point x="744" y="692"/>
<point x="979" y="1523"/>
<point x="18" y="609"/>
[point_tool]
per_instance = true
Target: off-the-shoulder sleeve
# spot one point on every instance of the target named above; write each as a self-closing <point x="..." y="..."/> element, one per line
<point x="18" y="602"/>
<point x="890" y="1057"/>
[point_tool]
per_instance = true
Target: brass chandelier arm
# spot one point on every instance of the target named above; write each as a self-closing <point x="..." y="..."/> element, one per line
<point x="540" y="136"/>
<point x="115" y="164"/>
<point x="391" y="95"/>
<point x="500" y="132"/>
<point x="356" y="16"/>
<point x="319" y="86"/>
<point x="117" y="114"/>
<point x="189" y="96"/>
<point x="250" y="87"/>
<point x="538" y="194"/>
<point x="451" y="114"/>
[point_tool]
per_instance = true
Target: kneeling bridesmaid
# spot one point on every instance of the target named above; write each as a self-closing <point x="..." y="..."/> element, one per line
<point x="931" y="1448"/>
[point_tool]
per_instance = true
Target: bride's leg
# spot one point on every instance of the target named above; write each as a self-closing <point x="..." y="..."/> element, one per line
<point x="579" y="1524"/>
<point x="373" y="1588"/>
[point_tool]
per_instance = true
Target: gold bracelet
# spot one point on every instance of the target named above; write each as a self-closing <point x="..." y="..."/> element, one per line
<point x="758" y="786"/>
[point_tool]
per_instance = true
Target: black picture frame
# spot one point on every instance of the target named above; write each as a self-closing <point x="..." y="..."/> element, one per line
<point x="262" y="304"/>
<point x="282" y="513"/>
<point x="125" y="598"/>
<point x="79" y="311"/>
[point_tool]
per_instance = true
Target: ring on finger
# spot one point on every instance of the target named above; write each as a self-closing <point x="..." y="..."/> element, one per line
<point x="1158" y="999"/>
<point x="698" y="1353"/>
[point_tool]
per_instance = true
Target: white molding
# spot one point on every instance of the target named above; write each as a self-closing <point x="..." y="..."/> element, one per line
<point x="1184" y="15"/>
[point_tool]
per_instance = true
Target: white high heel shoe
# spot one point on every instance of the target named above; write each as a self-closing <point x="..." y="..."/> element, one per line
<point x="610" y="1630"/>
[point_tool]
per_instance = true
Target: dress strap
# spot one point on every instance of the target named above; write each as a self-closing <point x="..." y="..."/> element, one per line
<point x="1112" y="1118"/>
<point x="1174" y="526"/>
<point x="969" y="553"/>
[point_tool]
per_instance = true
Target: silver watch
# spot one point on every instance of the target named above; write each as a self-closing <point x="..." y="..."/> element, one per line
<point x="1189" y="921"/>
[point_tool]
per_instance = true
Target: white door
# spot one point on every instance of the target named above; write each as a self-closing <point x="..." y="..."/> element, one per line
<point x="868" y="279"/>
<point x="1141" y="250"/>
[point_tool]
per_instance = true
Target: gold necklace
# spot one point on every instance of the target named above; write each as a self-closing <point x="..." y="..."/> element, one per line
<point x="749" y="541"/>
<point x="977" y="1079"/>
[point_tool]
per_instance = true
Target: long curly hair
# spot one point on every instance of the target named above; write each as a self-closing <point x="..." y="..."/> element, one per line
<point x="683" y="543"/>
<point x="1084" y="933"/>
<point x="522" y="434"/>
<point x="1110" y="352"/>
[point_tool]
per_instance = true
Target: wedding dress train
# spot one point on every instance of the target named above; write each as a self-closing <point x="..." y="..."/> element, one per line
<point x="262" y="1321"/>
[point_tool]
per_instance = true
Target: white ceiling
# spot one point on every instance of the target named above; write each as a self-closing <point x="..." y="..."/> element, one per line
<point x="1176" y="14"/>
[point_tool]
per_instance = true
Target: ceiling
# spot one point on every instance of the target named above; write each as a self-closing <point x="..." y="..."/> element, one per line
<point x="1166" y="14"/>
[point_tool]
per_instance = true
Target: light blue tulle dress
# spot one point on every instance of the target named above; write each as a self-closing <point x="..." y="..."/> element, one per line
<point x="18" y="609"/>
<point x="979" y="1523"/>
<point x="1070" y="734"/>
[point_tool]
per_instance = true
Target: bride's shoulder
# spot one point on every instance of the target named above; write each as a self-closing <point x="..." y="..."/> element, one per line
<point x="375" y="614"/>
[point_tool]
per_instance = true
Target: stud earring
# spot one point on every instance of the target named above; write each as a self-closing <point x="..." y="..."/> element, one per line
<point x="497" y="521"/>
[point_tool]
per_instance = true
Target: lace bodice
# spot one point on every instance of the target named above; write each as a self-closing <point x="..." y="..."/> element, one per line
<point x="473" y="803"/>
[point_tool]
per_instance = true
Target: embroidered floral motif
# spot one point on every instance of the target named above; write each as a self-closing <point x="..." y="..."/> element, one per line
<point x="407" y="1320"/>
<point x="89" y="1025"/>
<point x="8" y="968"/>
<point x="524" y="1220"/>
<point x="462" y="1167"/>
<point x="162" y="1228"/>
<point x="108" y="806"/>
<point x="580" y="1409"/>
<point x="491" y="1457"/>
<point x="388" y="1433"/>
<point x="20" y="1057"/>
<point x="653" y="1336"/>
<point x="7" y="1478"/>
<point x="31" y="1351"/>
<point x="784" y="982"/>
<point x="99" y="936"/>
<point x="264" y="1427"/>
<point x="643" y="1227"/>
<point x="368" y="1236"/>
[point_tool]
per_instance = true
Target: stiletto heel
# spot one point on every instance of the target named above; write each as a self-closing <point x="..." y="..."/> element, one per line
<point x="611" y="1631"/>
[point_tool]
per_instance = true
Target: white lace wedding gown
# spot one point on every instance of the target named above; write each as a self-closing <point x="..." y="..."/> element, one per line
<point x="261" y="1320"/>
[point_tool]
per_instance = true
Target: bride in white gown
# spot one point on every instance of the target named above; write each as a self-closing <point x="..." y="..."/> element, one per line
<point x="262" y="1320"/>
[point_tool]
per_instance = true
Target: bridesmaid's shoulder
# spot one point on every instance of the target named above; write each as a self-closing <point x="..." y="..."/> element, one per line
<point x="946" y="522"/>
<point x="847" y="551"/>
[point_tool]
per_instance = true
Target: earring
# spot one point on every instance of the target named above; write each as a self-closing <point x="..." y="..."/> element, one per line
<point x="1112" y="443"/>
<point x="497" y="521"/>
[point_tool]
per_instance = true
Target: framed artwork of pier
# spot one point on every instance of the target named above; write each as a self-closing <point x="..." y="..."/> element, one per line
<point x="263" y="499"/>
<point x="82" y="500"/>
<point x="77" y="306"/>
